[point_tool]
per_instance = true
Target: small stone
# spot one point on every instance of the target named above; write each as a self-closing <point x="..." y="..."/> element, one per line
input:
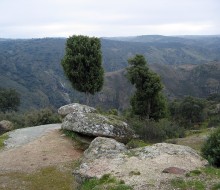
<point x="6" y="126"/>
<point x="174" y="170"/>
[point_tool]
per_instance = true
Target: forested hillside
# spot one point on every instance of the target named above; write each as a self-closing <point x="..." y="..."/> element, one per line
<point x="32" y="67"/>
<point x="179" y="81"/>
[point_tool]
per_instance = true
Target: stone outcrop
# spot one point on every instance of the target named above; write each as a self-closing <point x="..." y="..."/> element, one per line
<point x="75" y="108"/>
<point x="83" y="119"/>
<point x="142" y="168"/>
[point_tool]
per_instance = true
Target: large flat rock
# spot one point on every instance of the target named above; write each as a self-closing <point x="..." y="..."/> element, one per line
<point x="83" y="119"/>
<point x="142" y="168"/>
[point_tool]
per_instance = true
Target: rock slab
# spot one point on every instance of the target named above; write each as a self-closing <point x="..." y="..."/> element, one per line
<point x="85" y="121"/>
<point x="75" y="108"/>
<point x="140" y="168"/>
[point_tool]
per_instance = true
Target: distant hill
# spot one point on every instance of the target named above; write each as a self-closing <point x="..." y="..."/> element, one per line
<point x="161" y="50"/>
<point x="32" y="67"/>
<point x="179" y="81"/>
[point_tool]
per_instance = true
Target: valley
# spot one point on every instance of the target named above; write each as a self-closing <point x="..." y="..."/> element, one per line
<point x="188" y="65"/>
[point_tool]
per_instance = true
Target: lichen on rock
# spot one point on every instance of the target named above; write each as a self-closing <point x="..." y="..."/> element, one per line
<point x="75" y="107"/>
<point x="87" y="122"/>
<point x="142" y="168"/>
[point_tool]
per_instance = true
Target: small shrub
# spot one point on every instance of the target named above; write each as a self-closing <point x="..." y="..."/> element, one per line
<point x="41" y="117"/>
<point x="211" y="148"/>
<point x="131" y="173"/>
<point x="113" y="112"/>
<point x="152" y="131"/>
<point x="107" y="182"/>
<point x="193" y="173"/>
<point x="135" y="143"/>
<point x="31" y="118"/>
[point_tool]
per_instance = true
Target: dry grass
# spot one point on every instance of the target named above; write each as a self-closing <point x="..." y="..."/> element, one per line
<point x="52" y="177"/>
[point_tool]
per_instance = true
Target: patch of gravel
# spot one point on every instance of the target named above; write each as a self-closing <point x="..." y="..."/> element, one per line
<point x="23" y="136"/>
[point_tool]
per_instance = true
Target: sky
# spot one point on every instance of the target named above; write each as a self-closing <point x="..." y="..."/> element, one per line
<point x="100" y="18"/>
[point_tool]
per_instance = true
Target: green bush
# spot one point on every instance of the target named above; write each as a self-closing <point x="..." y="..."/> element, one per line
<point x="41" y="117"/>
<point x="113" y="111"/>
<point x="32" y="117"/>
<point x="151" y="131"/>
<point x="211" y="148"/>
<point x="107" y="182"/>
<point x="136" y="143"/>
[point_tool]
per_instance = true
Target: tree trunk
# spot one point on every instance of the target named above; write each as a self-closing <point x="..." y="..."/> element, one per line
<point x="148" y="110"/>
<point x="87" y="98"/>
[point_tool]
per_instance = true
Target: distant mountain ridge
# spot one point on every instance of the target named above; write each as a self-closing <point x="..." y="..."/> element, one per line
<point x="32" y="66"/>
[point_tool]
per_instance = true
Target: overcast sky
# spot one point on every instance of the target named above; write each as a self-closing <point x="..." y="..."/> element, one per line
<point x="62" y="18"/>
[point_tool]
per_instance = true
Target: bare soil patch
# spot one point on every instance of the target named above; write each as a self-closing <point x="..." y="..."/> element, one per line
<point x="50" y="149"/>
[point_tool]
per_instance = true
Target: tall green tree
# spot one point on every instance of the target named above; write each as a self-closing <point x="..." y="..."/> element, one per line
<point x="9" y="100"/>
<point x="82" y="64"/>
<point x="148" y="101"/>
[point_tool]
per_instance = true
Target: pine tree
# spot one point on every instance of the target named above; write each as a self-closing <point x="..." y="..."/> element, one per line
<point x="148" y="101"/>
<point x="82" y="64"/>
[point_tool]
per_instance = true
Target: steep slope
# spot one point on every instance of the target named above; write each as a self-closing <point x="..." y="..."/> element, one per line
<point x="32" y="67"/>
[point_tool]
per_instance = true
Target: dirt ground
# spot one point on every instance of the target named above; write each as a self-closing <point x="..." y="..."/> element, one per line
<point x="50" y="149"/>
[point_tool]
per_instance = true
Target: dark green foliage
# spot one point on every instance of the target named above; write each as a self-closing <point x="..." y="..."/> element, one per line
<point x="107" y="182"/>
<point x="189" y="111"/>
<point x="82" y="63"/>
<point x="214" y="97"/>
<point x="32" y="118"/>
<point x="192" y="109"/>
<point x="9" y="100"/>
<point x="147" y="101"/>
<point x="216" y="186"/>
<point x="211" y="148"/>
<point x="194" y="173"/>
<point x="41" y="117"/>
<point x="113" y="112"/>
<point x="151" y="131"/>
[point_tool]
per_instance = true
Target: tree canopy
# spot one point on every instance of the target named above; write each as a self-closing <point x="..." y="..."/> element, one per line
<point x="148" y="101"/>
<point x="82" y="63"/>
<point x="9" y="100"/>
<point x="189" y="111"/>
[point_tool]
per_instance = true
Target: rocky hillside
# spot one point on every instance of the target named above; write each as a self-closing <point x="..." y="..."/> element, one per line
<point x="32" y="67"/>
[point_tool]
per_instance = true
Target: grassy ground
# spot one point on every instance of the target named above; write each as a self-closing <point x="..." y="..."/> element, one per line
<point x="53" y="177"/>
<point x="194" y="139"/>
<point x="2" y="139"/>
<point x="205" y="178"/>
